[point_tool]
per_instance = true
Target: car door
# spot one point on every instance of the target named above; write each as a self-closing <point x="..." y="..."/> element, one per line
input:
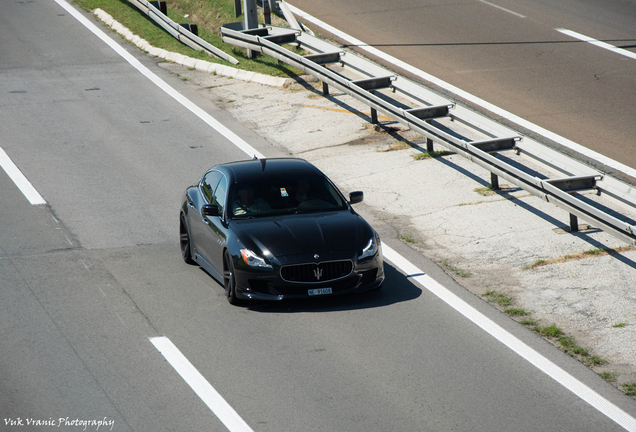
<point x="199" y="223"/>
<point x="215" y="228"/>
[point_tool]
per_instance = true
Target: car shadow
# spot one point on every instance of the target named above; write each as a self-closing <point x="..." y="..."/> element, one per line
<point x="397" y="288"/>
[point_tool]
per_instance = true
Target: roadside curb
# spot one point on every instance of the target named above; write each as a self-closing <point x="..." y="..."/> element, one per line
<point x="200" y="65"/>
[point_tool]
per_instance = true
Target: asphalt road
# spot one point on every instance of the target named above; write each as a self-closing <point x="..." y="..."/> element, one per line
<point x="87" y="279"/>
<point x="509" y="53"/>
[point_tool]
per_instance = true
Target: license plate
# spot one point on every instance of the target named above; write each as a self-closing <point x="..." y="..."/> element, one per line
<point x="319" y="291"/>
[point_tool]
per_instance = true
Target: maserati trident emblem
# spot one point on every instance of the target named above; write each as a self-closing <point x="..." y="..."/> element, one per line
<point x="318" y="273"/>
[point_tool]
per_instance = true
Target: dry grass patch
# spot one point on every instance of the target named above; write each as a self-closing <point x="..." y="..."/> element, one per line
<point x="579" y="256"/>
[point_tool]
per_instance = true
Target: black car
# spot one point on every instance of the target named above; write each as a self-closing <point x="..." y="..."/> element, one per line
<point x="270" y="229"/>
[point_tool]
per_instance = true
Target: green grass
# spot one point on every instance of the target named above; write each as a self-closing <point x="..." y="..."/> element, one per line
<point x="516" y="312"/>
<point x="431" y="155"/>
<point x="609" y="376"/>
<point x="551" y="331"/>
<point x="499" y="298"/>
<point x="630" y="388"/>
<point x="485" y="191"/>
<point x="620" y="325"/>
<point x="209" y="15"/>
<point x="569" y="345"/>
<point x="407" y="238"/>
<point x="596" y="360"/>
<point x="529" y="322"/>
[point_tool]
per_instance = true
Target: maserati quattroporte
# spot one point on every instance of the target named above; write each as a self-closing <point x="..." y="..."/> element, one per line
<point x="269" y="229"/>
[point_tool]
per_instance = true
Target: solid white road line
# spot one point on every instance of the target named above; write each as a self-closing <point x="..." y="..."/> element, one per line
<point x="555" y="372"/>
<point x="19" y="179"/>
<point x="598" y="43"/>
<point x="469" y="97"/>
<point x="207" y="118"/>
<point x="232" y="421"/>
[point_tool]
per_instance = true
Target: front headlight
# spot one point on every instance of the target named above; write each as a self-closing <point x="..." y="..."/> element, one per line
<point x="253" y="260"/>
<point x="369" y="250"/>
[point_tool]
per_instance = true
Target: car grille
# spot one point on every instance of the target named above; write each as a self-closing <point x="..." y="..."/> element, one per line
<point x="316" y="272"/>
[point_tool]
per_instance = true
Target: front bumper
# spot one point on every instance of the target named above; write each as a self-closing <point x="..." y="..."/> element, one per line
<point x="367" y="275"/>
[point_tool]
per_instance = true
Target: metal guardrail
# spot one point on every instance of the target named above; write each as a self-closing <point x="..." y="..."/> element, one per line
<point x="564" y="182"/>
<point x="179" y="32"/>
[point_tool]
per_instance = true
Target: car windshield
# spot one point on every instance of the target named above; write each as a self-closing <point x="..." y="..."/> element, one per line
<point x="272" y="196"/>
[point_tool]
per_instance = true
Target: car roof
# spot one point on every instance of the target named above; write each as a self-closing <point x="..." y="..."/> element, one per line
<point x="241" y="171"/>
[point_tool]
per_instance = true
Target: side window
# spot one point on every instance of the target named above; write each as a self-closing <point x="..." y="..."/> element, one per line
<point x="220" y="194"/>
<point x="209" y="183"/>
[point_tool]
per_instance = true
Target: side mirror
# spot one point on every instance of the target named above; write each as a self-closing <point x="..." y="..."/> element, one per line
<point x="210" y="210"/>
<point x="356" y="197"/>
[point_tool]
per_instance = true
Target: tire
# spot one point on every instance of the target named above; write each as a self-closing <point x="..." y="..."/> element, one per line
<point x="184" y="240"/>
<point x="229" y="281"/>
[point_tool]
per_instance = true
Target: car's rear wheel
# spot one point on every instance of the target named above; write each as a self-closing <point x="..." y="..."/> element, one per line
<point x="229" y="281"/>
<point x="184" y="239"/>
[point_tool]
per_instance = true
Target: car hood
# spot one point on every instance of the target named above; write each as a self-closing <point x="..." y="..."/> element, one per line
<point x="304" y="233"/>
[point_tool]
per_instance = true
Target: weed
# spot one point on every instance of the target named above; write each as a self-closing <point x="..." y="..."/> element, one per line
<point x="630" y="388"/>
<point x="398" y="145"/>
<point x="581" y="255"/>
<point x="407" y="238"/>
<point x="528" y="322"/>
<point x="517" y="312"/>
<point x="430" y="155"/>
<point x="609" y="376"/>
<point x="499" y="298"/>
<point x="595" y="252"/>
<point x="620" y="325"/>
<point x="537" y="263"/>
<point x="569" y="345"/>
<point x="485" y="191"/>
<point x="550" y="331"/>
<point x="596" y="360"/>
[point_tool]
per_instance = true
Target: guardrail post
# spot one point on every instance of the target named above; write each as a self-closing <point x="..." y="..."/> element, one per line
<point x="251" y="14"/>
<point x="192" y="28"/>
<point x="429" y="146"/>
<point x="251" y="19"/>
<point x="429" y="142"/>
<point x="574" y="220"/>
<point x="325" y="89"/>
<point x="494" y="181"/>
<point x="494" y="178"/>
<point x="574" y="223"/>
<point x="374" y="116"/>
<point x="161" y="5"/>
<point x="267" y="13"/>
<point x="374" y="112"/>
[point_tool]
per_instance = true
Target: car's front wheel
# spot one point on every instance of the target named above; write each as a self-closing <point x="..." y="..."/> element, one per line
<point x="229" y="281"/>
<point x="184" y="239"/>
